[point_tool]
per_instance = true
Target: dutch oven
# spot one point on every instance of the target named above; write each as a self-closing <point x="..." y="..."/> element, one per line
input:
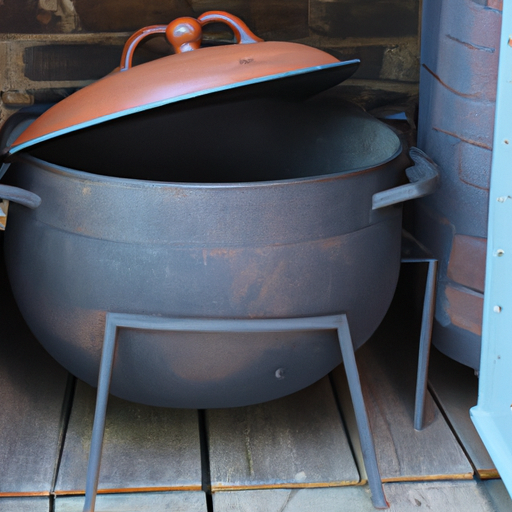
<point x="211" y="184"/>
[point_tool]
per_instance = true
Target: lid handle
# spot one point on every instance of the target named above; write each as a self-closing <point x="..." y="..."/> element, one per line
<point x="242" y="32"/>
<point x="185" y="34"/>
<point x="134" y="40"/>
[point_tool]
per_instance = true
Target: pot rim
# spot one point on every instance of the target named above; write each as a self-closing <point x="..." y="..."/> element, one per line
<point x="137" y="183"/>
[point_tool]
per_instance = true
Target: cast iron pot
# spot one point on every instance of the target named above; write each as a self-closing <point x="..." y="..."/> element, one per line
<point x="275" y="210"/>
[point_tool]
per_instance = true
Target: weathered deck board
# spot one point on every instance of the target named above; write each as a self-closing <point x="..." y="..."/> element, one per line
<point x="144" y="448"/>
<point x="498" y="495"/>
<point x="177" y="501"/>
<point x="297" y="440"/>
<point x="32" y="391"/>
<point x="23" y="504"/>
<point x="455" y="387"/>
<point x="387" y="366"/>
<point x="457" y="496"/>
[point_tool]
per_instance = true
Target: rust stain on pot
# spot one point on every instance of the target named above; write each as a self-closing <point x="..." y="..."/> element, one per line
<point x="223" y="252"/>
<point x="250" y="278"/>
<point x="272" y="283"/>
<point x="219" y="253"/>
<point x="330" y="243"/>
<point x="178" y="192"/>
<point x="264" y="251"/>
<point x="213" y="368"/>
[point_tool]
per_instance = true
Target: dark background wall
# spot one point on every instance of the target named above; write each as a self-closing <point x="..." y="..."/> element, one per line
<point x="49" y="48"/>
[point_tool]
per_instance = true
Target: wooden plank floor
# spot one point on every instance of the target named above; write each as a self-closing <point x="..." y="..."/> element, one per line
<point x="457" y="496"/>
<point x="498" y="495"/>
<point x="32" y="394"/>
<point x="299" y="453"/>
<point x="296" y="441"/>
<point x="144" y="447"/>
<point x="455" y="387"/>
<point x="388" y="382"/>
<point x="24" y="504"/>
<point x="177" y="501"/>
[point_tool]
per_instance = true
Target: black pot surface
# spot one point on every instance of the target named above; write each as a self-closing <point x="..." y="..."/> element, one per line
<point x="286" y="231"/>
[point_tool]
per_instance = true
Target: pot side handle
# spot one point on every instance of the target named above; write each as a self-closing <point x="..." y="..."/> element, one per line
<point x="423" y="177"/>
<point x="20" y="196"/>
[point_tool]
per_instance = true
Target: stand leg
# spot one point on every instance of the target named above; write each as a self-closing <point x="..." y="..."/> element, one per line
<point x="427" y="320"/>
<point x="363" y="424"/>
<point x="338" y="322"/>
<point x="98" y="430"/>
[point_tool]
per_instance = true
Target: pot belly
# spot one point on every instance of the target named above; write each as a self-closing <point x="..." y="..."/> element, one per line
<point x="65" y="284"/>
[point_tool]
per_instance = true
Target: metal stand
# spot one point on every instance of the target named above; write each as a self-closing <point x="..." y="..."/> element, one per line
<point x="337" y="322"/>
<point x="420" y="408"/>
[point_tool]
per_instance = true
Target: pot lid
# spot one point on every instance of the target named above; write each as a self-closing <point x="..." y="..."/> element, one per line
<point x="293" y="68"/>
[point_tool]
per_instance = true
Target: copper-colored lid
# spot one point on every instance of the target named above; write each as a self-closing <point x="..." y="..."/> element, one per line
<point x="185" y="75"/>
